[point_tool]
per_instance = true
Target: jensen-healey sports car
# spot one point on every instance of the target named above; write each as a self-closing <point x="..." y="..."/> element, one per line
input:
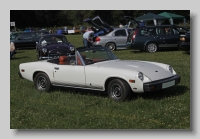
<point x="97" y="68"/>
<point x="53" y="45"/>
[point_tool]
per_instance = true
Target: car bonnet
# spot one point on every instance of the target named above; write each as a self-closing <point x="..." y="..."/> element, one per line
<point x="150" y="69"/>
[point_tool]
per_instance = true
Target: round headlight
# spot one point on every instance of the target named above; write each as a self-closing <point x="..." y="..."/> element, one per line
<point x="71" y="48"/>
<point x="44" y="50"/>
<point x="140" y="76"/>
<point x="170" y="69"/>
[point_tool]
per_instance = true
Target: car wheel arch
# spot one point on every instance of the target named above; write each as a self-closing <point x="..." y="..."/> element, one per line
<point x="42" y="82"/>
<point x="36" y="72"/>
<point x="108" y="80"/>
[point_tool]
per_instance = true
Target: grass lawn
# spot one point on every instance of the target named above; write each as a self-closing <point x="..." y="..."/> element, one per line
<point x="66" y="108"/>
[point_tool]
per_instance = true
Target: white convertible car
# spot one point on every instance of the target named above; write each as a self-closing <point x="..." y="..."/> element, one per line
<point x="97" y="68"/>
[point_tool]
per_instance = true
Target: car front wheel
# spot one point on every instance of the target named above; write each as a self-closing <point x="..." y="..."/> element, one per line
<point x="42" y="82"/>
<point x="119" y="90"/>
<point x="111" y="46"/>
<point x="151" y="47"/>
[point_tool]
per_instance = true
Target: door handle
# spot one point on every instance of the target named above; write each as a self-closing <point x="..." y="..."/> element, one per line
<point x="56" y="68"/>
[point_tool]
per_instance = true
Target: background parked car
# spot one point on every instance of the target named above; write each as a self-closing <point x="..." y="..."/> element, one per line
<point x="42" y="29"/>
<point x="23" y="40"/>
<point x="184" y="43"/>
<point x="29" y="30"/>
<point x="53" y="45"/>
<point x="107" y="36"/>
<point x="154" y="38"/>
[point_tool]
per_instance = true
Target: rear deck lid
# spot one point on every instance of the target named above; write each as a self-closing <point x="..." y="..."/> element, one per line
<point x="132" y="22"/>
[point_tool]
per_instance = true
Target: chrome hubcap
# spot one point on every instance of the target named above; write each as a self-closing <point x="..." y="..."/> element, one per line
<point x="116" y="91"/>
<point x="41" y="83"/>
<point x="152" y="48"/>
<point x="111" y="46"/>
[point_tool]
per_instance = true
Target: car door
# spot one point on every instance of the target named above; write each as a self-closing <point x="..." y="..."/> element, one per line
<point x="25" y="41"/>
<point x="171" y="38"/>
<point x="161" y="37"/>
<point x="132" y="23"/>
<point x="70" y="75"/>
<point x="167" y="38"/>
<point x="120" y="37"/>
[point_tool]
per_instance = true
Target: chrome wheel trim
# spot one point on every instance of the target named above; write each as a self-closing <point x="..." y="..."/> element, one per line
<point x="41" y="83"/>
<point x="116" y="91"/>
<point x="152" y="47"/>
<point x="111" y="46"/>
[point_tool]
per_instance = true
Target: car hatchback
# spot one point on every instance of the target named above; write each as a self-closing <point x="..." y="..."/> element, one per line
<point x="154" y="38"/>
<point x="107" y="36"/>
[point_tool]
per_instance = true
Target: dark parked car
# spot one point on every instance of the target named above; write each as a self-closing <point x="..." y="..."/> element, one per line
<point x="53" y="46"/>
<point x="24" y="40"/>
<point x="29" y="30"/>
<point x="154" y="38"/>
<point x="107" y="36"/>
<point x="184" y="43"/>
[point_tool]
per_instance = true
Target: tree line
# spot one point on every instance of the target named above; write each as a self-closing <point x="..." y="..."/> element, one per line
<point x="58" y="18"/>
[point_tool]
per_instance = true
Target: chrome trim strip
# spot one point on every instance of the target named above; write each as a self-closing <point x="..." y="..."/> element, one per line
<point x="78" y="86"/>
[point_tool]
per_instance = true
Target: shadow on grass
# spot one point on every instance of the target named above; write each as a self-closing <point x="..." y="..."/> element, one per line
<point x="186" y="52"/>
<point x="163" y="50"/>
<point x="158" y="95"/>
<point x="80" y="91"/>
<point x="170" y="92"/>
<point x="19" y="51"/>
<point x="16" y="58"/>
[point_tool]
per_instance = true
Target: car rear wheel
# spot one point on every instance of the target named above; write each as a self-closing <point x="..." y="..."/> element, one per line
<point x="152" y="47"/>
<point x="111" y="46"/>
<point x="42" y="82"/>
<point x="119" y="90"/>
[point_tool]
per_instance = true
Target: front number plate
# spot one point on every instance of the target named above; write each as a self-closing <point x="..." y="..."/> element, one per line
<point x="168" y="84"/>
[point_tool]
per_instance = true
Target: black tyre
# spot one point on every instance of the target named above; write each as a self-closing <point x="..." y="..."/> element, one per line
<point x="118" y="90"/>
<point x="152" y="47"/>
<point x="42" y="82"/>
<point x="111" y="46"/>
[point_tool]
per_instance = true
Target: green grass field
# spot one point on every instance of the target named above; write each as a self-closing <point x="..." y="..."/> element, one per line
<point x="66" y="108"/>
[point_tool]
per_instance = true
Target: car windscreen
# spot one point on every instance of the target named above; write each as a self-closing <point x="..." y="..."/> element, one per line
<point x="53" y="39"/>
<point x="14" y="36"/>
<point x="97" y="55"/>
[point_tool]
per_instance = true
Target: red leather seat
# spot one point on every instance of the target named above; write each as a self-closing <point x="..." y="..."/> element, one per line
<point x="62" y="60"/>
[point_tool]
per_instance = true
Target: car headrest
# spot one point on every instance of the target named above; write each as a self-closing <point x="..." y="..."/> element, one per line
<point x="83" y="56"/>
<point x="62" y="58"/>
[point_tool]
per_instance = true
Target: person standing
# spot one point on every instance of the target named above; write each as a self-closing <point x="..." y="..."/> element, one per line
<point x="12" y="49"/>
<point x="121" y="26"/>
<point x="88" y="38"/>
<point x="59" y="31"/>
